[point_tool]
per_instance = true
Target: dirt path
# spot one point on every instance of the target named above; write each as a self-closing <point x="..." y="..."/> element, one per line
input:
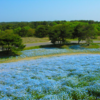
<point x="44" y="56"/>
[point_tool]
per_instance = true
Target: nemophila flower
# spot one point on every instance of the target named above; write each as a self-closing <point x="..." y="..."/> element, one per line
<point x="48" y="51"/>
<point x="76" y="47"/>
<point x="55" y="78"/>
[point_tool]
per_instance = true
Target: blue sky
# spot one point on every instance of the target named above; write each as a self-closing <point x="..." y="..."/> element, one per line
<point x="49" y="10"/>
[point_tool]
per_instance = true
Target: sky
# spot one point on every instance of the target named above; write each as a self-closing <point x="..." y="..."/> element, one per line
<point x="49" y="10"/>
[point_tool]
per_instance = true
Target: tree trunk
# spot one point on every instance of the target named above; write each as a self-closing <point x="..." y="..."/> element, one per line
<point x="79" y="41"/>
<point x="2" y="48"/>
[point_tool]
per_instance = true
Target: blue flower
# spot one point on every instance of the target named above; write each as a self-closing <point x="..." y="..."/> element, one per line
<point x="55" y="78"/>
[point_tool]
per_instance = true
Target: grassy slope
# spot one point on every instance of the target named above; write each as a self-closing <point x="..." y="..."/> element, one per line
<point x="37" y="57"/>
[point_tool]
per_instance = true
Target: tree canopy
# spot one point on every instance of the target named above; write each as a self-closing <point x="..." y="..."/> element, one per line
<point x="59" y="33"/>
<point x="41" y="31"/>
<point x="10" y="42"/>
<point x="84" y="32"/>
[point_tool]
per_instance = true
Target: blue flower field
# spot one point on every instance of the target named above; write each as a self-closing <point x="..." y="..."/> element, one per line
<point x="52" y="51"/>
<point x="69" y="77"/>
<point x="48" y="51"/>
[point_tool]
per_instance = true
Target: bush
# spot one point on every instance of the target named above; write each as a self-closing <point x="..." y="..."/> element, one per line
<point x="10" y="42"/>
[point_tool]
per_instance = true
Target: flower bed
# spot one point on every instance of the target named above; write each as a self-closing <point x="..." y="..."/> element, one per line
<point x="48" y="51"/>
<point x="55" y="78"/>
<point x="51" y="51"/>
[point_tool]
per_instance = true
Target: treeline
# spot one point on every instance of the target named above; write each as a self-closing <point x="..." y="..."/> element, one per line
<point x="57" y="31"/>
<point x="83" y="31"/>
<point x="27" y="29"/>
<point x="13" y="25"/>
<point x="33" y="25"/>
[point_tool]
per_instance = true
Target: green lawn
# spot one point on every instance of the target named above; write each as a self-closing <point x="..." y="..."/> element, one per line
<point x="27" y="40"/>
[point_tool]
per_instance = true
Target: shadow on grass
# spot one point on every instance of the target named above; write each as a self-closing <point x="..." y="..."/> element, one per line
<point x="60" y="46"/>
<point x="71" y="46"/>
<point x="6" y="54"/>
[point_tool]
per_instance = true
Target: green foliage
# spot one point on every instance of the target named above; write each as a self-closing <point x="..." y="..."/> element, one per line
<point x="77" y="33"/>
<point x="84" y="32"/>
<point x="30" y="32"/>
<point x="24" y="31"/>
<point x="41" y="31"/>
<point x="53" y="23"/>
<point x="10" y="42"/>
<point x="17" y="30"/>
<point x="89" y="33"/>
<point x="59" y="33"/>
<point x="97" y="28"/>
<point x="21" y="31"/>
<point x="81" y="29"/>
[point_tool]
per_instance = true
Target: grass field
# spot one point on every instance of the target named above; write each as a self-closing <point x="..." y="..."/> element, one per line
<point x="27" y="40"/>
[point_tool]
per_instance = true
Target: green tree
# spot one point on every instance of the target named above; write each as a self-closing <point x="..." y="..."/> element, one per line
<point x="97" y="27"/>
<point x="59" y="33"/>
<point x="54" y="34"/>
<point x="17" y="30"/>
<point x="10" y="42"/>
<point x="22" y="31"/>
<point x="41" y="31"/>
<point x="78" y="33"/>
<point x="89" y="33"/>
<point x="84" y="32"/>
<point x="53" y="23"/>
<point x="30" y="32"/>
